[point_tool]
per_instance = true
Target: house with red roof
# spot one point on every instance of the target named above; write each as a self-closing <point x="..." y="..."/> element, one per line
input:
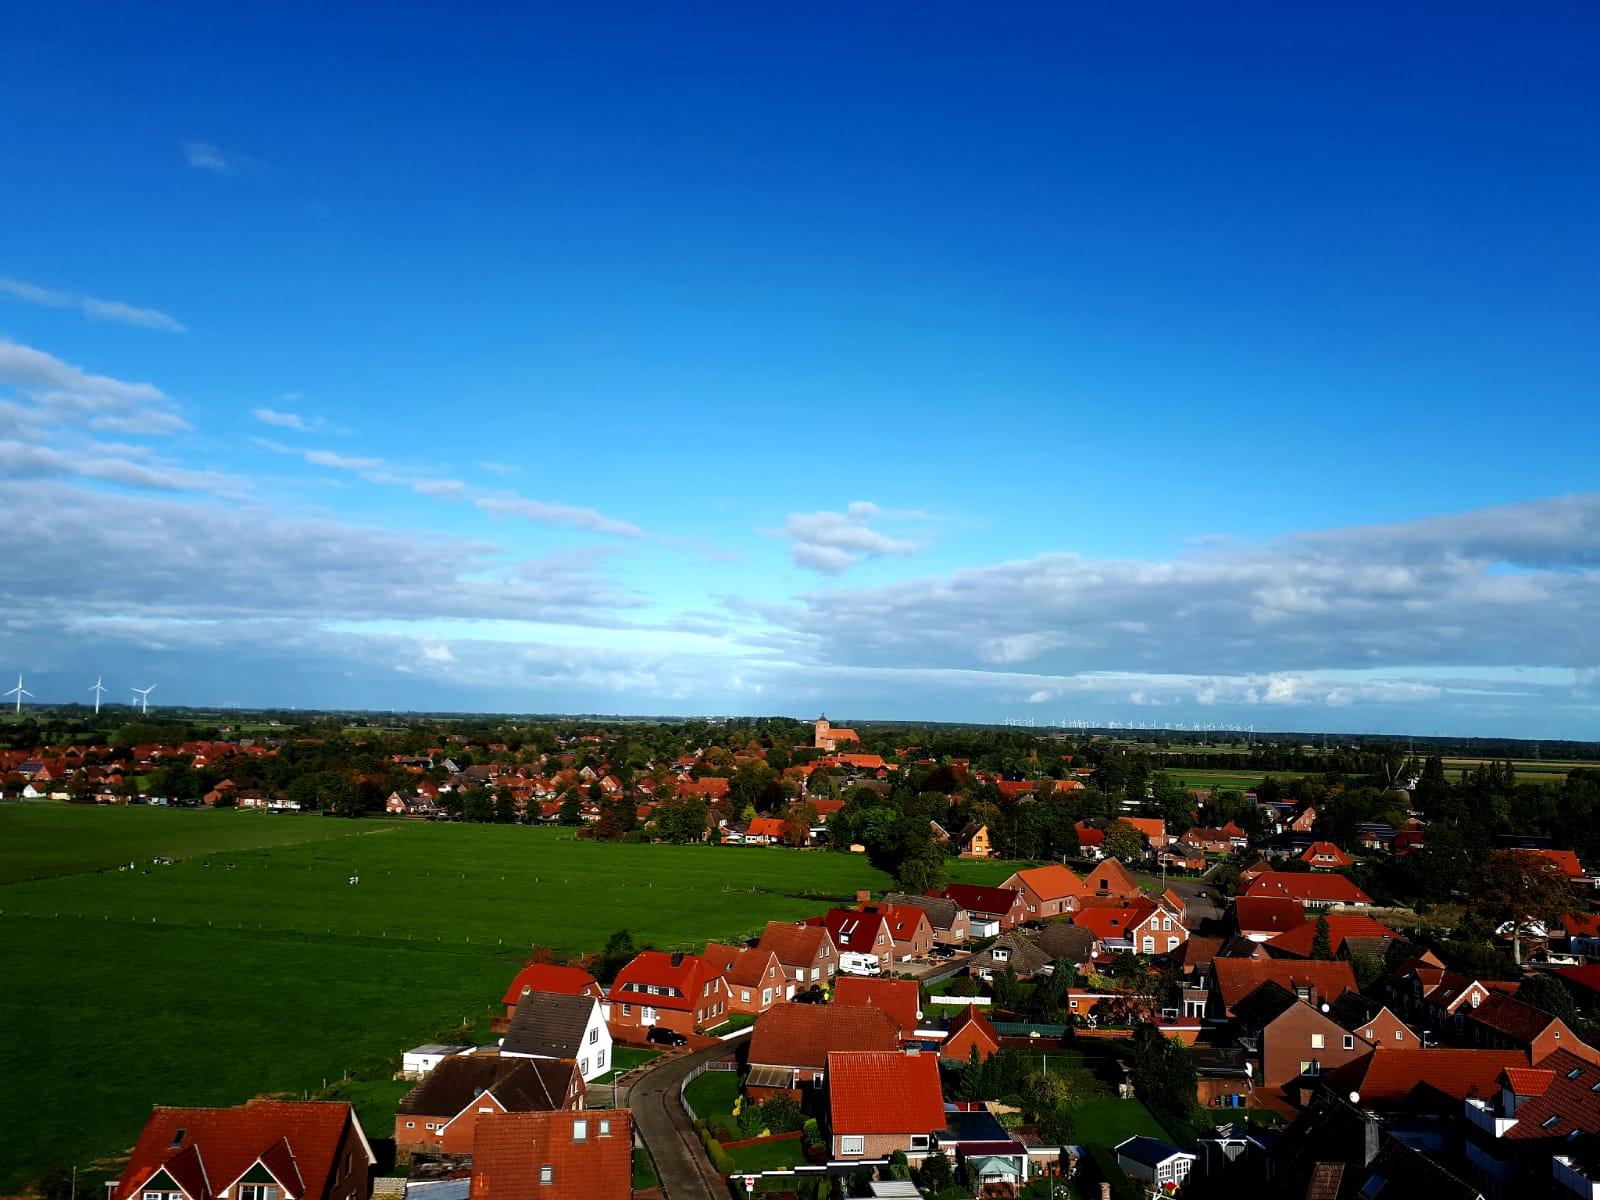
<point x="1262" y="918"/>
<point x="1312" y="889"/>
<point x="1388" y="1080"/>
<point x="263" y="1150"/>
<point x="1538" y="1120"/>
<point x="1235" y="978"/>
<point x="969" y="1030"/>
<point x="859" y="932"/>
<point x="440" y="1115"/>
<point x="790" y="1045"/>
<point x="755" y="977"/>
<point x="1110" y="880"/>
<point x="909" y="928"/>
<point x="1300" y="941"/>
<point x="1091" y="840"/>
<point x="830" y="737"/>
<point x="990" y="910"/>
<point x="553" y="978"/>
<point x="765" y="831"/>
<point x="1297" y="1040"/>
<point x="1048" y="891"/>
<point x="882" y="1102"/>
<point x="682" y="992"/>
<point x="900" y="998"/>
<point x="1325" y="856"/>
<point x="805" y="952"/>
<point x="540" y="1155"/>
<point x="1503" y="1022"/>
<point x="1143" y="927"/>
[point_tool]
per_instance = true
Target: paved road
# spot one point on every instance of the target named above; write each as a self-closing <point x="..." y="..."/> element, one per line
<point x="658" y="1113"/>
<point x="1197" y="908"/>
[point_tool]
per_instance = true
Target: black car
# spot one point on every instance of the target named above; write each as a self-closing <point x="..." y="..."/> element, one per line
<point x="662" y="1036"/>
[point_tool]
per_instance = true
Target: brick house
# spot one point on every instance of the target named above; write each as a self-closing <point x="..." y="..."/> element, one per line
<point x="683" y="992"/>
<point x="1517" y="1132"/>
<point x="263" y="1150"/>
<point x="1374" y="1022"/>
<point x="790" y="1045"/>
<point x="1048" y="891"/>
<point x="881" y="1102"/>
<point x="973" y="841"/>
<point x="1503" y="1022"/>
<point x="1262" y="918"/>
<point x="990" y="910"/>
<point x="909" y="928"/>
<point x="1300" y="941"/>
<point x="547" y="1025"/>
<point x="1297" y="1041"/>
<point x="969" y="1029"/>
<point x="440" y="1115"/>
<point x="1312" y="889"/>
<point x="1235" y="978"/>
<point x="755" y="977"/>
<point x="948" y="919"/>
<point x="805" y="952"/>
<point x="1325" y="856"/>
<point x="860" y="932"/>
<point x="900" y="998"/>
<point x="1110" y="880"/>
<point x="556" y="980"/>
<point x="1143" y="928"/>
<point x="535" y="1156"/>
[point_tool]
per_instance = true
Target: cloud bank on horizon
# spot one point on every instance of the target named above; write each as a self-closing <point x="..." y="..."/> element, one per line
<point x="862" y="396"/>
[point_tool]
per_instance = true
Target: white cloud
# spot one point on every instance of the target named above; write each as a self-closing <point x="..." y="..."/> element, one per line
<point x="831" y="542"/>
<point x="286" y="420"/>
<point x="61" y="394"/>
<point x="508" y="504"/>
<point x="91" y="306"/>
<point x="205" y="156"/>
<point x="327" y="458"/>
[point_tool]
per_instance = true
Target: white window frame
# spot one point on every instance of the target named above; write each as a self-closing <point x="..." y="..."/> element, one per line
<point x="547" y="1174"/>
<point x="580" y="1130"/>
<point x="852" y="1143"/>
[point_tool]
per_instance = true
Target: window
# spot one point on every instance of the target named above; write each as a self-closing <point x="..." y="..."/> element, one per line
<point x="627" y="1010"/>
<point x="411" y="1124"/>
<point x="1166" y="923"/>
<point x="816" y="1082"/>
<point x="1149" y="945"/>
<point x="547" y="1174"/>
<point x="1575" y="1073"/>
<point x="1310" y="1067"/>
<point x="852" y="1145"/>
<point x="1399" y="1035"/>
<point x="605" y="1126"/>
<point x="600" y="1057"/>
<point x="1368" y="1035"/>
<point x="1550" y="1122"/>
<point x="744" y="995"/>
<point x="1172" y="943"/>
<point x="1317" y="1041"/>
<point x="1349" y="1041"/>
<point x="258" y="1191"/>
<point x="580" y="1131"/>
<point x="766" y="997"/>
<point x="594" y="1036"/>
<point x="919" y="1141"/>
<point x="583" y="1066"/>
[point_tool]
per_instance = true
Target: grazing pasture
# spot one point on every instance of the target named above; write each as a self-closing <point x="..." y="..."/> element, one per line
<point x="201" y="984"/>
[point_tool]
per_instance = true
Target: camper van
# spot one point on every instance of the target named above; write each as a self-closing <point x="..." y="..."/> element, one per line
<point x="852" y="963"/>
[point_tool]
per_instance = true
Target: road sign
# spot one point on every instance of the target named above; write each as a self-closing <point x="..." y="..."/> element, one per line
<point x="750" y="1183"/>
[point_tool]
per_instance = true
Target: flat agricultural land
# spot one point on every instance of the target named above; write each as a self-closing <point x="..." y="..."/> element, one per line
<point x="1527" y="770"/>
<point x="198" y="983"/>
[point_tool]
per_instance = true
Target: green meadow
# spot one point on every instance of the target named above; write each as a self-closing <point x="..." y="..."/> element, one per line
<point x="252" y="965"/>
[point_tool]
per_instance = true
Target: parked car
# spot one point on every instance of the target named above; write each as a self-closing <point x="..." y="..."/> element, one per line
<point x="662" y="1036"/>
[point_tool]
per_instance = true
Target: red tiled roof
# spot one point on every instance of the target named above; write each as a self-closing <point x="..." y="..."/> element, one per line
<point x="1528" y="1081"/>
<point x="1112" y="923"/>
<point x="1565" y="859"/>
<point x="509" y="1151"/>
<point x="688" y="977"/>
<point x="221" y="1144"/>
<point x="795" y="945"/>
<point x="856" y="931"/>
<point x="1052" y="882"/>
<point x="1390" y="1077"/>
<point x="745" y="967"/>
<point x="988" y="901"/>
<point x="900" y="998"/>
<point x="1566" y="1106"/>
<point x="871" y="1092"/>
<point x="1238" y="977"/>
<point x="1115" y="878"/>
<point x="1298" y="941"/>
<point x="970" y="1015"/>
<point x="803" y="1035"/>
<point x="771" y="827"/>
<point x="547" y="977"/>
<point x="1262" y="914"/>
<point x="1308" y="887"/>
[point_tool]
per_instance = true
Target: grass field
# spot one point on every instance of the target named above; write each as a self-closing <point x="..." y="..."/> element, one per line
<point x="197" y="984"/>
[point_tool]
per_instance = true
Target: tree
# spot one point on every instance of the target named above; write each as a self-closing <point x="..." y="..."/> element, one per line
<point x="1322" y="942"/>
<point x="1517" y="887"/>
<point x="1123" y="840"/>
<point x="1549" y="994"/>
<point x="1163" y="1070"/>
<point x="571" y="808"/>
<point x="936" y="1173"/>
<point x="782" y="1114"/>
<point x="618" y="953"/>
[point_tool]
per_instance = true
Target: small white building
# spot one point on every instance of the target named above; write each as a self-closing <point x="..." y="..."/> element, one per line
<point x="1155" y="1161"/>
<point x="414" y="1064"/>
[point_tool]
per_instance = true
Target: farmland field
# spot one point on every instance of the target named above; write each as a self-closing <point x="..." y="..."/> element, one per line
<point x="201" y="984"/>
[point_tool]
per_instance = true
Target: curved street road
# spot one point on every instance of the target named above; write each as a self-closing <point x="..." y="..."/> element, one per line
<point x="681" y="1163"/>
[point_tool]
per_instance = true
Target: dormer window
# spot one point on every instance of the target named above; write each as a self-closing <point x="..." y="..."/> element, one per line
<point x="258" y="1191"/>
<point x="1550" y="1122"/>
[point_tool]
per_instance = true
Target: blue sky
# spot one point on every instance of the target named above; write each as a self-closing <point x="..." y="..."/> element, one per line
<point x="904" y="361"/>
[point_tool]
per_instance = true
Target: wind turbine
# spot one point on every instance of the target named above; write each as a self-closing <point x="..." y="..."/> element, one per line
<point x="145" y="692"/>
<point x="98" y="692"/>
<point x="19" y="692"/>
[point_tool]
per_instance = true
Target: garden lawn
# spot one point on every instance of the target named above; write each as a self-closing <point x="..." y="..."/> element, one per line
<point x="1106" y="1120"/>
<point x="712" y="1095"/>
<point x="625" y="1059"/>
<point x="644" y="1174"/>
<point x="197" y="984"/>
<point x="769" y="1156"/>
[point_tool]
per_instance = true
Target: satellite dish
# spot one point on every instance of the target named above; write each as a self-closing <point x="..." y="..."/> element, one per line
<point x="1355" y="1097"/>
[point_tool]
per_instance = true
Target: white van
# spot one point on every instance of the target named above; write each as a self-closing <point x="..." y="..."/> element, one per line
<point x="852" y="963"/>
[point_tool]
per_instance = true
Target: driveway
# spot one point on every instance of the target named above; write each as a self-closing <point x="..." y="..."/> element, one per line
<point x="681" y="1163"/>
<point x="1197" y="908"/>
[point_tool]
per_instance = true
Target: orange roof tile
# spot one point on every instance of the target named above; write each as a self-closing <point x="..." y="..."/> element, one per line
<point x="511" y="1150"/>
<point x="871" y="1092"/>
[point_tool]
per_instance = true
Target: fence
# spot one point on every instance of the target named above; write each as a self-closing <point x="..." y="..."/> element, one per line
<point x="1028" y="1029"/>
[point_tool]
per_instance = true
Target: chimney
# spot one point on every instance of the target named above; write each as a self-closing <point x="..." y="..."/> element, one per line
<point x="1369" y="1140"/>
<point x="863" y="896"/>
<point x="677" y="958"/>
